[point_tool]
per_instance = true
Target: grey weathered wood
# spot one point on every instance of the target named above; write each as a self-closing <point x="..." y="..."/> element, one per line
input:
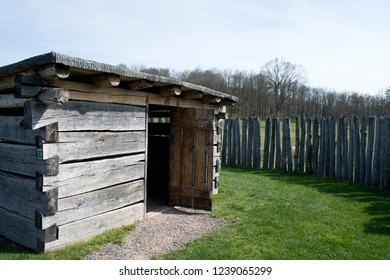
<point x="370" y="149"/>
<point x="11" y="102"/>
<point x="321" y="161"/>
<point x="345" y="148"/>
<point x="225" y="142"/>
<point x="55" y="71"/>
<point x="79" y="207"/>
<point x="381" y="158"/>
<point x="234" y="142"/>
<point x="289" y="146"/>
<point x="284" y="145"/>
<point x="230" y="141"/>
<point x="29" y="79"/>
<point x="327" y="147"/>
<point x="76" y="115"/>
<point x="22" y="159"/>
<point x="273" y="141"/>
<point x="12" y="130"/>
<point x="277" y="144"/>
<point x="87" y="228"/>
<point x="237" y="141"/>
<point x="297" y="144"/>
<point x="27" y="91"/>
<point x="22" y="230"/>
<point x="363" y="146"/>
<point x="87" y="145"/>
<point x="302" y="145"/>
<point x="386" y="155"/>
<point x="356" y="149"/>
<point x="267" y="136"/>
<point x="92" y="175"/>
<point x="170" y="91"/>
<point x="339" y="151"/>
<point x="351" y="158"/>
<point x="139" y="84"/>
<point x="256" y="143"/>
<point x="332" y="147"/>
<point x="19" y="195"/>
<point x="54" y="96"/>
<point x="309" y="147"/>
<point x="244" y="141"/>
<point x="316" y="145"/>
<point x="250" y="143"/>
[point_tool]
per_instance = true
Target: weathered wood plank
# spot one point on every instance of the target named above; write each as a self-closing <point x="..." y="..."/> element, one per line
<point x="363" y="146"/>
<point x="370" y="149"/>
<point x="277" y="144"/>
<point x="86" y="145"/>
<point x="302" y="145"/>
<point x="257" y="143"/>
<point x="356" y="149"/>
<point x="321" y="161"/>
<point x="267" y="137"/>
<point x="10" y="101"/>
<point x="74" y="208"/>
<point x="250" y="143"/>
<point x="289" y="146"/>
<point x="339" y="149"/>
<point x="284" y="145"/>
<point x="22" y="159"/>
<point x="12" y="130"/>
<point x="332" y="147"/>
<point x="19" y="195"/>
<point x="80" y="177"/>
<point x="140" y="84"/>
<point x="244" y="141"/>
<point x="345" y="148"/>
<point x="351" y="158"/>
<point x="87" y="228"/>
<point x="224" y="142"/>
<point x="76" y="115"/>
<point x="316" y="145"/>
<point x="23" y="231"/>
<point x="309" y="147"/>
<point x="297" y="145"/>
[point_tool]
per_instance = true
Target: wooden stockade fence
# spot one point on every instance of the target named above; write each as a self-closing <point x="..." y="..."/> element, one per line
<point x="349" y="148"/>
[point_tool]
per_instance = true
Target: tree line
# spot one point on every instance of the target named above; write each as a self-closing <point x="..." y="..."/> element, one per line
<point x="279" y="89"/>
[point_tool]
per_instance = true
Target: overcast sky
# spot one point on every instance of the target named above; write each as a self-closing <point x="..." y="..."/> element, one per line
<point x="343" y="44"/>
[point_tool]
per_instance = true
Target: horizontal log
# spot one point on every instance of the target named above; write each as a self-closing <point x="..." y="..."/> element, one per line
<point x="55" y="71"/>
<point x="192" y="94"/>
<point x="86" y="92"/>
<point x="19" y="195"/>
<point x="90" y="227"/>
<point x="80" y="177"/>
<point x="30" y="79"/>
<point x="54" y="96"/>
<point x="106" y="80"/>
<point x="22" y="230"/>
<point x="22" y="159"/>
<point x="12" y="129"/>
<point x="139" y="84"/>
<point x="74" y="208"/>
<point x="10" y="101"/>
<point x="88" y="145"/>
<point x="28" y="91"/>
<point x="170" y="91"/>
<point x="77" y="115"/>
<point x="7" y="82"/>
<point x="211" y="99"/>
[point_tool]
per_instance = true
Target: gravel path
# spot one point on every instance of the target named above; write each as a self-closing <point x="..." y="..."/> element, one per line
<point x="160" y="234"/>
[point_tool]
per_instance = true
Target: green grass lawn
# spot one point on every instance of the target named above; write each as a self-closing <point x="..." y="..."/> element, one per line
<point x="277" y="215"/>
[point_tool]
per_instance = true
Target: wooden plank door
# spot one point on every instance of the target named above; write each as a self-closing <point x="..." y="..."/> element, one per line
<point x="191" y="158"/>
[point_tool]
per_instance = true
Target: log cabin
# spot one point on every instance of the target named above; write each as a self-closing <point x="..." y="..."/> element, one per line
<point x="87" y="146"/>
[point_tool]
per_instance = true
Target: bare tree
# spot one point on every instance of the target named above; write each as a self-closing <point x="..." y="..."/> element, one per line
<point x="284" y="79"/>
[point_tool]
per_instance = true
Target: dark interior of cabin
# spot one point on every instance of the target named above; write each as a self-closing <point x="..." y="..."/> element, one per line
<point x="158" y="157"/>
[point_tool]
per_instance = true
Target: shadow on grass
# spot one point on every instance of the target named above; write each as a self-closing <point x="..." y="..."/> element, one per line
<point x="379" y="201"/>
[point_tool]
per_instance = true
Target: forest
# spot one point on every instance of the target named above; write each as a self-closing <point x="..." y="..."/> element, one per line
<point x="280" y="89"/>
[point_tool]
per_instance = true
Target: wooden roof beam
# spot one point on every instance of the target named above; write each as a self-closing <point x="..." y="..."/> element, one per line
<point x="192" y="94"/>
<point x="171" y="91"/>
<point x="140" y="84"/>
<point x="211" y="99"/>
<point x="55" y="71"/>
<point x="106" y="80"/>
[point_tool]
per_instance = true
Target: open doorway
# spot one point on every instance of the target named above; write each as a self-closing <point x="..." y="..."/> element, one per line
<point x="158" y="157"/>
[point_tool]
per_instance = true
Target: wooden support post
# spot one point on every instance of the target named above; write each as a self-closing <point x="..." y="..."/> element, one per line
<point x="370" y="149"/>
<point x="289" y="146"/>
<point x="351" y="160"/>
<point x="309" y="148"/>
<point x="250" y="143"/>
<point x="55" y="71"/>
<point x="363" y="146"/>
<point x="356" y="151"/>
<point x="256" y="144"/>
<point x="225" y="142"/>
<point x="327" y="149"/>
<point x="339" y="151"/>
<point x="237" y="141"/>
<point x="316" y="144"/>
<point x="297" y="144"/>
<point x="284" y="145"/>
<point x="332" y="147"/>
<point x="277" y="144"/>
<point x="321" y="161"/>
<point x="345" y="148"/>
<point x="272" y="149"/>
<point x="266" y="143"/>
<point x="302" y="145"/>
<point x="244" y="142"/>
